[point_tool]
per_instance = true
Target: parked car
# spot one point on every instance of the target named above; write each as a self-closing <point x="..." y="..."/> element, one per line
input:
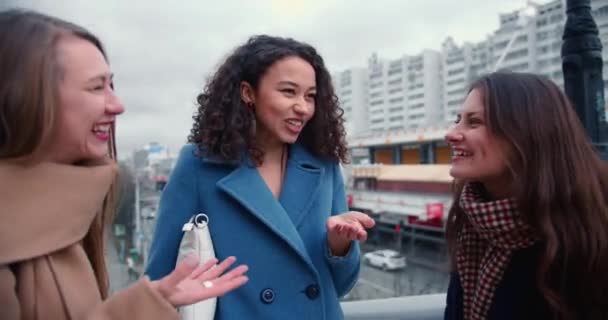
<point x="385" y="259"/>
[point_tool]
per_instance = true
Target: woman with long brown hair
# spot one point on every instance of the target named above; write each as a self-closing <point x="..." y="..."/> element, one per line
<point x="528" y="230"/>
<point x="57" y="167"/>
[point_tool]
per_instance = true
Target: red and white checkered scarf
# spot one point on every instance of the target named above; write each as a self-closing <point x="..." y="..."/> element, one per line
<point x="492" y="232"/>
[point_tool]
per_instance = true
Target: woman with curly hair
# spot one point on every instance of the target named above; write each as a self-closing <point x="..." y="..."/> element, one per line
<point x="528" y="231"/>
<point x="263" y="164"/>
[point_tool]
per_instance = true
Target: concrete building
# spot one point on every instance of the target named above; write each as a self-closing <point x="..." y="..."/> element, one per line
<point x="351" y="88"/>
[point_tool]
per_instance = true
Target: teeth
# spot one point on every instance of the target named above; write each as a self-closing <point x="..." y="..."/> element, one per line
<point x="295" y="122"/>
<point x="460" y="153"/>
<point x="102" y="128"/>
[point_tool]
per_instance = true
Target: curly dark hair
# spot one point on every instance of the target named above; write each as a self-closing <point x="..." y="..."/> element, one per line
<point x="223" y="125"/>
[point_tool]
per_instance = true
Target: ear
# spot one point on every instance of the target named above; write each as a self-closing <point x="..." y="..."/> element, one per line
<point x="247" y="92"/>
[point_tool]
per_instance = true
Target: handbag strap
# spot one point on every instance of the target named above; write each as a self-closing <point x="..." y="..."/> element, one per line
<point x="199" y="221"/>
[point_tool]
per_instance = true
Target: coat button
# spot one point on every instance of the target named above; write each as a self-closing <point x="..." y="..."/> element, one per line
<point x="267" y="296"/>
<point x="312" y="291"/>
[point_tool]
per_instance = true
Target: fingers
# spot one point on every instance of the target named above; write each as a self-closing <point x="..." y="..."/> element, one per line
<point x="181" y="272"/>
<point x="217" y="270"/>
<point x="224" y="287"/>
<point x="202" y="268"/>
<point x="362" y="218"/>
<point x="350" y="229"/>
<point x="350" y="225"/>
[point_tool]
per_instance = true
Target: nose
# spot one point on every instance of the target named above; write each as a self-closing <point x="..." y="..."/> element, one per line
<point x="454" y="135"/>
<point x="113" y="105"/>
<point x="304" y="107"/>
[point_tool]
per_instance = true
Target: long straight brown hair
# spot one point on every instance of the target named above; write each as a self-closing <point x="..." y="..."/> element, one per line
<point x="561" y="189"/>
<point x="29" y="101"/>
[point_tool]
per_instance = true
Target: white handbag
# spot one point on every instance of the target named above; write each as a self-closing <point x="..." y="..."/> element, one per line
<point x="197" y="240"/>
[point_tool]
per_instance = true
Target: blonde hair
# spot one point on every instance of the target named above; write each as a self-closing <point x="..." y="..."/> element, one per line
<point x="29" y="101"/>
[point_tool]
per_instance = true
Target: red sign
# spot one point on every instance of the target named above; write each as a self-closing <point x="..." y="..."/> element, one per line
<point x="434" y="211"/>
<point x="349" y="200"/>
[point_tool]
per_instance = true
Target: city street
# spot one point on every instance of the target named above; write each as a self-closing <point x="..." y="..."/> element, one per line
<point x="415" y="279"/>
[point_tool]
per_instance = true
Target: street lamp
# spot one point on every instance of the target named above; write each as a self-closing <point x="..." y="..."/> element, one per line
<point x="582" y="67"/>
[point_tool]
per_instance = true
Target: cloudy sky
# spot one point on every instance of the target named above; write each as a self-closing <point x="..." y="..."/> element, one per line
<point x="162" y="51"/>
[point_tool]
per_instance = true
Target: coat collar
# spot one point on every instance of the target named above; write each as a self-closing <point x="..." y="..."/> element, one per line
<point x="48" y="206"/>
<point x="300" y="188"/>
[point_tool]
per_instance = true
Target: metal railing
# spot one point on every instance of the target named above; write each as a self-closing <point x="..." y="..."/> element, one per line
<point x="423" y="307"/>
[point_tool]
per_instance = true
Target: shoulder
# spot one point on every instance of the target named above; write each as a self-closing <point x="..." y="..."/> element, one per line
<point x="191" y="155"/>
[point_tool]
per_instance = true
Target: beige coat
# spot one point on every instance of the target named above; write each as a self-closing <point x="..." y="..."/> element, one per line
<point x="45" y="212"/>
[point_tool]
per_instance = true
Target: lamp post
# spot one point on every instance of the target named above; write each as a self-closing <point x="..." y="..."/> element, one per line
<point x="582" y="67"/>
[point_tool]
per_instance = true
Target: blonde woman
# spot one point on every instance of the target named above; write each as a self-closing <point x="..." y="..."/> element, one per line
<point x="57" y="116"/>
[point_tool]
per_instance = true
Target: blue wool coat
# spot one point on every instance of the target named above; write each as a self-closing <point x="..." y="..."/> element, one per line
<point x="284" y="242"/>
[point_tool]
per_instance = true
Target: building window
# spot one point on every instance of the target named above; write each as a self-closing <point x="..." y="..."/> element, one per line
<point x="455" y="71"/>
<point x="454" y="92"/>
<point x="376" y="85"/>
<point x="516" y="54"/>
<point x="397" y="109"/>
<point x="396" y="100"/>
<point x="395" y="90"/>
<point x="455" y="102"/>
<point x="375" y="75"/>
<point x="417" y="106"/>
<point x="377" y="102"/>
<point x="395" y="81"/>
<point x="375" y="94"/>
<point x="457" y="81"/>
<point x="416" y="96"/>
<point x="395" y="71"/>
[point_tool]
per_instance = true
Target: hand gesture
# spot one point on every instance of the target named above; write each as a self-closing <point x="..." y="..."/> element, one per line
<point x="345" y="227"/>
<point x="190" y="282"/>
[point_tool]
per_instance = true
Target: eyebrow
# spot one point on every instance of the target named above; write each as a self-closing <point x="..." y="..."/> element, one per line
<point x="102" y="77"/>
<point x="473" y="113"/>
<point x="295" y="84"/>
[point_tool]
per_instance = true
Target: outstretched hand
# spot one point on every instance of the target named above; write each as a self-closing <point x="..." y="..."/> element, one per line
<point x="190" y="282"/>
<point x="346" y="227"/>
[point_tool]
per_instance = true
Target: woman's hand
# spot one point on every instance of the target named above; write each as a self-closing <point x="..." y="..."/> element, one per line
<point x="190" y="282"/>
<point x="346" y="227"/>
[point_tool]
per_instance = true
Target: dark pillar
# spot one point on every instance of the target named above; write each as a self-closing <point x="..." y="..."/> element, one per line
<point x="582" y="66"/>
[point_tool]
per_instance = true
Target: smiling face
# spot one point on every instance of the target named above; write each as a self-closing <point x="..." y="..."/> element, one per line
<point x="87" y="104"/>
<point x="284" y="100"/>
<point x="477" y="154"/>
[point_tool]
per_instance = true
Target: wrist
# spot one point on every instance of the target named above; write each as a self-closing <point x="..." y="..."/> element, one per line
<point x="338" y="246"/>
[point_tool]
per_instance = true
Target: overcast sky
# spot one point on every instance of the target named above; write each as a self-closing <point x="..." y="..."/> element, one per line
<point x="162" y="51"/>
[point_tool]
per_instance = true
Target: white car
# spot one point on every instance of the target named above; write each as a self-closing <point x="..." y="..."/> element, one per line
<point x="385" y="259"/>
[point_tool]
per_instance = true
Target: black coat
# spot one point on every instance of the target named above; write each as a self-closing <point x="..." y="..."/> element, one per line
<point x="516" y="296"/>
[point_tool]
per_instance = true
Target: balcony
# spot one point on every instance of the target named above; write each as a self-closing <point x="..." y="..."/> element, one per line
<point x="424" y="307"/>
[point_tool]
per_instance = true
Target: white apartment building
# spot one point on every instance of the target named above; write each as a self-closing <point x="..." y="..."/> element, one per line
<point x="404" y="93"/>
<point x="525" y="43"/>
<point x="429" y="88"/>
<point x="351" y="88"/>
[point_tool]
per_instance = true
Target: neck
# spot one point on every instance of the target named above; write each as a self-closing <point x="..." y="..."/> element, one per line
<point x="498" y="189"/>
<point x="273" y="148"/>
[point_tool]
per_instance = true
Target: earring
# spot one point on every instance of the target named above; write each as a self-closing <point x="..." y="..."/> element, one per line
<point x="250" y="106"/>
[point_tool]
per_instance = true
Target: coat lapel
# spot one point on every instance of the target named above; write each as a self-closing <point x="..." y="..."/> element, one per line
<point x="246" y="186"/>
<point x="301" y="184"/>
